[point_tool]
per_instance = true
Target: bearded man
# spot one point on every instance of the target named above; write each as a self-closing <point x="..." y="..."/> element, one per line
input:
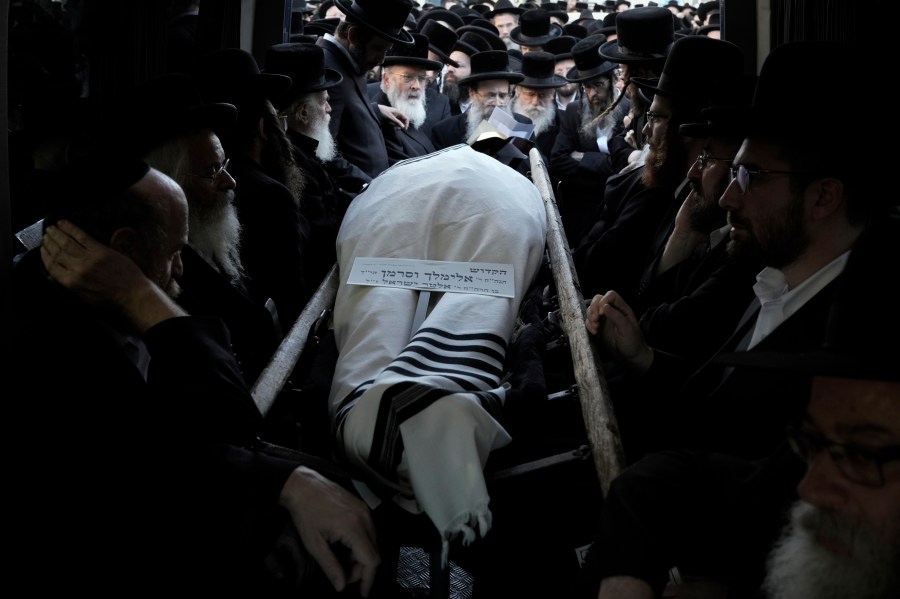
<point x="179" y="135"/>
<point x="579" y="158"/>
<point x="403" y="87"/>
<point x="490" y="83"/>
<point x="536" y="98"/>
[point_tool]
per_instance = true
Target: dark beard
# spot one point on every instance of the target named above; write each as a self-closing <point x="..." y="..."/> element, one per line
<point x="664" y="165"/>
<point x="778" y="241"/>
<point x="277" y="158"/>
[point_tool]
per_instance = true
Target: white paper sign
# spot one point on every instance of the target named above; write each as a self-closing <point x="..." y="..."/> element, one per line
<point x="483" y="278"/>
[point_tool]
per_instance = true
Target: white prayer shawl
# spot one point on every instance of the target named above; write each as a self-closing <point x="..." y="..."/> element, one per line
<point x="419" y="415"/>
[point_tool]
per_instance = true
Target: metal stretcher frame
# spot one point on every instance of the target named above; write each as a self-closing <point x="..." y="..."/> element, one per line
<point x="596" y="407"/>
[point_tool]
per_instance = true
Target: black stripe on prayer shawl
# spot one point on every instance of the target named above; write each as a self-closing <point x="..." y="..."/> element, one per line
<point x="424" y="336"/>
<point x="464" y="385"/>
<point x="490" y="374"/>
<point x="488" y="337"/>
<point x="399" y="403"/>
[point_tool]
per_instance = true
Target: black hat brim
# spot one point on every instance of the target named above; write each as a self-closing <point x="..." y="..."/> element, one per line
<point x="602" y="69"/>
<point x="425" y="63"/>
<point x="610" y="51"/>
<point x="516" y="35"/>
<point x="542" y="83"/>
<point x="507" y="75"/>
<point x="402" y="36"/>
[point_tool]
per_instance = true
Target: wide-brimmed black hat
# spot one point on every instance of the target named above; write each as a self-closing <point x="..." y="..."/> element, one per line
<point x="561" y="47"/>
<point x="301" y="7"/>
<point x="321" y="26"/>
<point x="489" y="35"/>
<point x="440" y="41"/>
<point x="493" y="64"/>
<point x="575" y="30"/>
<point x="608" y="26"/>
<point x="588" y="63"/>
<point x="705" y="8"/>
<point x="782" y="92"/>
<point x="535" y="28"/>
<point x="863" y="325"/>
<point x="643" y="35"/>
<point x="728" y="110"/>
<point x="226" y="74"/>
<point x="482" y="23"/>
<point x="453" y="20"/>
<point x="471" y="43"/>
<point x="305" y="65"/>
<point x="415" y="55"/>
<point x="385" y="17"/>
<point x="696" y="65"/>
<point x="170" y="105"/>
<point x="538" y="71"/>
<point x="503" y="6"/>
<point x="715" y="24"/>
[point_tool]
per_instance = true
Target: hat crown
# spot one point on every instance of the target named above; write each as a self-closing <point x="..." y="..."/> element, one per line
<point x="561" y="45"/>
<point x="489" y="61"/>
<point x="418" y="49"/>
<point x="472" y="43"/>
<point x="439" y="36"/>
<point x="645" y="32"/>
<point x="385" y="17"/>
<point x="585" y="52"/>
<point x="535" y="22"/>
<point x="538" y="65"/>
<point x="297" y="61"/>
<point x="697" y="65"/>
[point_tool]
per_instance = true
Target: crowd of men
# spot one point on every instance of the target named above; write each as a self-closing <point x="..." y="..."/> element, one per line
<point x="736" y="267"/>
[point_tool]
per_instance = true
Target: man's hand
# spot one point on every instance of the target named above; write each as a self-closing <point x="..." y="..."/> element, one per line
<point x="103" y="277"/>
<point x="576" y="155"/>
<point x="325" y="513"/>
<point x="394" y="116"/>
<point x="616" y="327"/>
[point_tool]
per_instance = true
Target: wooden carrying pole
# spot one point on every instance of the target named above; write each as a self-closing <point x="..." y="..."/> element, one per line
<point x="593" y="393"/>
<point x="276" y="374"/>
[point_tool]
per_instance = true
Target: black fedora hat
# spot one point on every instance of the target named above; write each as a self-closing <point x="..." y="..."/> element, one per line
<point x="588" y="63"/>
<point x="785" y="78"/>
<point x="441" y="15"/>
<point x="225" y="74"/>
<point x="471" y="43"/>
<point x="493" y="64"/>
<point x="696" y="65"/>
<point x="385" y="17"/>
<point x="538" y="71"/>
<point x="643" y="35"/>
<point x="728" y="110"/>
<point x="608" y="24"/>
<point x="490" y="36"/>
<point x="170" y="105"/>
<point x="440" y="41"/>
<point x="415" y="55"/>
<point x="321" y="26"/>
<point x="482" y="23"/>
<point x="561" y="47"/>
<point x="575" y="30"/>
<point x="503" y="6"/>
<point x="860" y="339"/>
<point x="305" y="65"/>
<point x="535" y="28"/>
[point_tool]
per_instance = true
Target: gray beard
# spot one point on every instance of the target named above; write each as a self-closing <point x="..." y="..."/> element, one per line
<point x="319" y="131"/>
<point x="799" y="568"/>
<point x="215" y="233"/>
<point x="414" y="110"/>
<point x="542" y="117"/>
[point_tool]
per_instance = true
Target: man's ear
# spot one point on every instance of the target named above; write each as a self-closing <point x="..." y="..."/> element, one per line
<point x="301" y="113"/>
<point x="125" y="241"/>
<point x="827" y="196"/>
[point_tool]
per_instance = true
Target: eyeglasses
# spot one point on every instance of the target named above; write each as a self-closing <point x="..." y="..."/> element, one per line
<point x="705" y="158"/>
<point x="532" y="94"/>
<point x="742" y="175"/>
<point x="496" y="96"/>
<point x="654" y="117"/>
<point x="216" y="173"/>
<point x="619" y="73"/>
<point x="858" y="464"/>
<point x="595" y="84"/>
<point x="407" y="78"/>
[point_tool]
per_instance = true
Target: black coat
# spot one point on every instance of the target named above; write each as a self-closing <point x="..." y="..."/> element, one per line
<point x="403" y="143"/>
<point x="452" y="131"/>
<point x="355" y="120"/>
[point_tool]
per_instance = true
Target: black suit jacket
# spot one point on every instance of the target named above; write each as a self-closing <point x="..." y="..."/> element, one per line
<point x="274" y="235"/>
<point x="355" y="121"/>
<point x="403" y="143"/>
<point x="437" y="105"/>
<point x="139" y="464"/>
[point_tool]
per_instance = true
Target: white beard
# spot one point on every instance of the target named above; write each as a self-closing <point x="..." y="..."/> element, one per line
<point x="478" y="112"/>
<point x="413" y="109"/>
<point x="319" y="131"/>
<point x="800" y="568"/>
<point x="215" y="233"/>
<point x="541" y="116"/>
